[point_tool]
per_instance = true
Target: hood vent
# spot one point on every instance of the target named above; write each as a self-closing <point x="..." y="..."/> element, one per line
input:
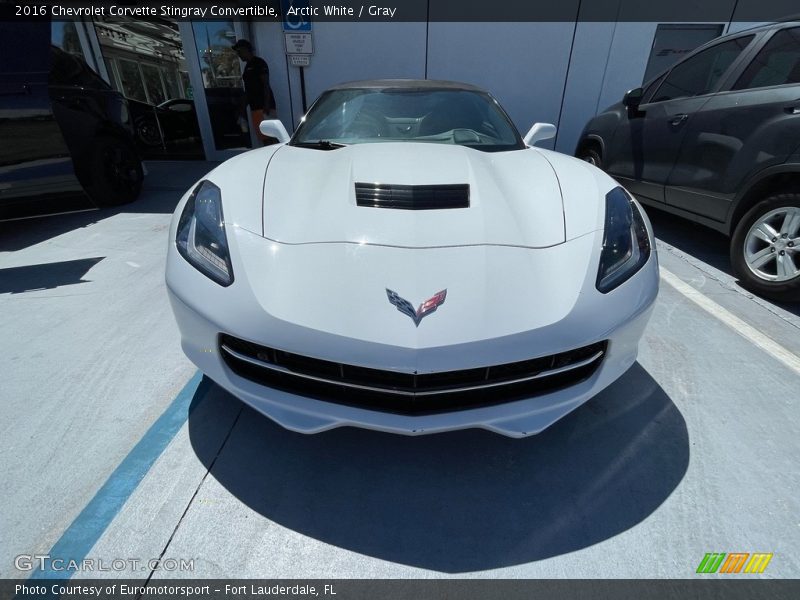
<point x="412" y="197"/>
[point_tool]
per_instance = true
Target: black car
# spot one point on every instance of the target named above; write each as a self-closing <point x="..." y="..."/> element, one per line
<point x="66" y="134"/>
<point x="168" y="129"/>
<point x="716" y="139"/>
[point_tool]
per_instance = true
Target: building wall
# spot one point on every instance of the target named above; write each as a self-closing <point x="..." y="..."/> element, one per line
<point x="524" y="65"/>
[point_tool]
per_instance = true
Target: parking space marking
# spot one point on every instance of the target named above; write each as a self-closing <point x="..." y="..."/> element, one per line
<point x="82" y="534"/>
<point x="750" y="333"/>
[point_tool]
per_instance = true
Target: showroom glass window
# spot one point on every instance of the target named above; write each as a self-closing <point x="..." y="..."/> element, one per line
<point x="699" y="74"/>
<point x="778" y="62"/>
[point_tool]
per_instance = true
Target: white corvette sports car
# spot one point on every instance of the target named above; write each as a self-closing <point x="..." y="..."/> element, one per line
<point x="406" y="262"/>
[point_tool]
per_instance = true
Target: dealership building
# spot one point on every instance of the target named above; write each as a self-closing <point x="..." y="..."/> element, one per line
<point x="560" y="71"/>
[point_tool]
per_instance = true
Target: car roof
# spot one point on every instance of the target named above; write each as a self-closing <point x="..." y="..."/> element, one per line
<point x="786" y="23"/>
<point x="406" y="84"/>
<point x="793" y="21"/>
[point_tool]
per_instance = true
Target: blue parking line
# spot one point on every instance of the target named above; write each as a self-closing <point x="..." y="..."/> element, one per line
<point x="79" y="538"/>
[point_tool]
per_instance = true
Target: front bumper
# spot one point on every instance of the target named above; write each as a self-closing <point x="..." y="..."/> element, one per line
<point x="209" y="310"/>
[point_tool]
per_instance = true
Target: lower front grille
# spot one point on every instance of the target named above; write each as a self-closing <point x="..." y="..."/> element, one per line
<point x="409" y="393"/>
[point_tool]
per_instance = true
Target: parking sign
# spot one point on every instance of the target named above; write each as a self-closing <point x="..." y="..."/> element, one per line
<point x="299" y="22"/>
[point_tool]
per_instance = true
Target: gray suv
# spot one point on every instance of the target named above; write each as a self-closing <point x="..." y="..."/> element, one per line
<point x="716" y="139"/>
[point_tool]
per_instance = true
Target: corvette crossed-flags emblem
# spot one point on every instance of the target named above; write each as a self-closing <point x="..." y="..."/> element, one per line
<point x="426" y="308"/>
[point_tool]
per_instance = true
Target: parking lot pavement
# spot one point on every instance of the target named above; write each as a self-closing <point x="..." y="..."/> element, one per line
<point x="694" y="450"/>
<point x="91" y="355"/>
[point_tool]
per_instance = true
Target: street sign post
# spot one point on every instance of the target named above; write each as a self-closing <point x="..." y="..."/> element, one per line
<point x="297" y="38"/>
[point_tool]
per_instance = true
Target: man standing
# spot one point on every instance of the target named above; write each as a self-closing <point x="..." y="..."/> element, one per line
<point x="256" y="87"/>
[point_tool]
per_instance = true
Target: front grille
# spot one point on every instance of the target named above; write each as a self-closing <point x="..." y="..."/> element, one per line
<point x="412" y="197"/>
<point x="409" y="393"/>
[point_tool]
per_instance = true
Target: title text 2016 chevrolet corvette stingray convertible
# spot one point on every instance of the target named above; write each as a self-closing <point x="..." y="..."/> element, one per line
<point x="406" y="262"/>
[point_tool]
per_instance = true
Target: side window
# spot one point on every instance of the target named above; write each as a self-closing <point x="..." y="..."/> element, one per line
<point x="674" y="42"/>
<point x="778" y="62"/>
<point x="699" y="74"/>
<point x="648" y="92"/>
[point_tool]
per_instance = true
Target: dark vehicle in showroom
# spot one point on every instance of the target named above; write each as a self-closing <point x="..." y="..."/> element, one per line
<point x="166" y="129"/>
<point x="67" y="136"/>
<point x="716" y="139"/>
<point x="170" y="129"/>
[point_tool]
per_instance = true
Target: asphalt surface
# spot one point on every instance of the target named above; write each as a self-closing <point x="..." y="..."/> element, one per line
<point x="111" y="447"/>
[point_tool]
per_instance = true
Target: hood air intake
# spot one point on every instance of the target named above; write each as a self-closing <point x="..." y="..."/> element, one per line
<point x="412" y="197"/>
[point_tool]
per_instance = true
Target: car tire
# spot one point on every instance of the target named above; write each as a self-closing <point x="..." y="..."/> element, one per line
<point x="116" y="172"/>
<point x="765" y="248"/>
<point x="592" y="156"/>
<point x="147" y="131"/>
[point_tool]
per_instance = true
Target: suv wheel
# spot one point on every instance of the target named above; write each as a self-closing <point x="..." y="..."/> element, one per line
<point x="591" y="156"/>
<point x="116" y="172"/>
<point x="765" y="249"/>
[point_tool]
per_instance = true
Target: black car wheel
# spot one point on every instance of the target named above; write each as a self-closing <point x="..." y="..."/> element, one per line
<point x="147" y="131"/>
<point x="116" y="172"/>
<point x="765" y="249"/>
<point x="591" y="156"/>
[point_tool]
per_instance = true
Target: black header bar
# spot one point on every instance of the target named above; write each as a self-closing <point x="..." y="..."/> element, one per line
<point x="664" y="11"/>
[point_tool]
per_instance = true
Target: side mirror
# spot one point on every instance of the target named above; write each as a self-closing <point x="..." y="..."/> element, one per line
<point x="633" y="98"/>
<point x="275" y="129"/>
<point x="539" y="132"/>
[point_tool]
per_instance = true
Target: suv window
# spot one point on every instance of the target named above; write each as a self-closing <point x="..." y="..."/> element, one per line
<point x="699" y="74"/>
<point x="778" y="62"/>
<point x="648" y="91"/>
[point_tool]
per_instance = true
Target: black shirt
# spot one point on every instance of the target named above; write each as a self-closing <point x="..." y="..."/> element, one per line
<point x="259" y="95"/>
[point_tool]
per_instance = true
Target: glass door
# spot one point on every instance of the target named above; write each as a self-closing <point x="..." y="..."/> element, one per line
<point x="215" y="74"/>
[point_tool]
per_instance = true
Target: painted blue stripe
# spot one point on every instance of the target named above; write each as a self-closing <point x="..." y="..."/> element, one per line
<point x="78" y="539"/>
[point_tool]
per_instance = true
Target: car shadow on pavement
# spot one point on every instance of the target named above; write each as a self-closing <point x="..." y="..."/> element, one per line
<point x="694" y="239"/>
<point x="163" y="187"/>
<point x="468" y="500"/>
<point x="702" y="243"/>
<point x="24" y="233"/>
<point x="16" y="280"/>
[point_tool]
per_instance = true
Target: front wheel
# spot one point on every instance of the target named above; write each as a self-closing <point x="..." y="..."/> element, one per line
<point x="591" y="156"/>
<point x="116" y="172"/>
<point x="765" y="248"/>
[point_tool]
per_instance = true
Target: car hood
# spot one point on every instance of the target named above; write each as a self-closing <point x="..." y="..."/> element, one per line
<point x="514" y="197"/>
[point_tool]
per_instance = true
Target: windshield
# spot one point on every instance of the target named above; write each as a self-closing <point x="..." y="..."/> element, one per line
<point x="357" y="116"/>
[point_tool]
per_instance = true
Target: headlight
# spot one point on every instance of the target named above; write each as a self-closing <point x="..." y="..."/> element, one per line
<point x="626" y="243"/>
<point x="201" y="234"/>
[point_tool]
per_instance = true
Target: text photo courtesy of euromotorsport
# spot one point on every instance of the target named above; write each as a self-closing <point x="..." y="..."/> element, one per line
<point x="184" y="591"/>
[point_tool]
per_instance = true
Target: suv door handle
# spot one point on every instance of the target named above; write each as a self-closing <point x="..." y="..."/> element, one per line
<point x="793" y="110"/>
<point x="676" y="120"/>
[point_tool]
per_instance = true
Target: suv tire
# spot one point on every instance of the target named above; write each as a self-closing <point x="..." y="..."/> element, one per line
<point x="765" y="248"/>
<point x="592" y="156"/>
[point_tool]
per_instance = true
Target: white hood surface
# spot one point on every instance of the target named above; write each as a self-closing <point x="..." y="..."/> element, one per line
<point x="515" y="197"/>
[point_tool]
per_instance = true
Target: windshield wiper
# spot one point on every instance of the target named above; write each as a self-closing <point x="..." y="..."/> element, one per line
<point x="320" y="144"/>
